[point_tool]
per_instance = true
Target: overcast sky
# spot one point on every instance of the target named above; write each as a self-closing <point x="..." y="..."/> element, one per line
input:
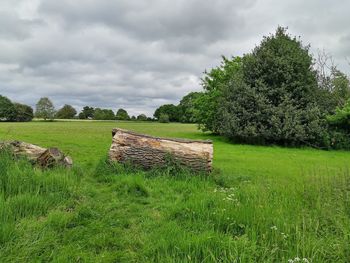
<point x="136" y="54"/>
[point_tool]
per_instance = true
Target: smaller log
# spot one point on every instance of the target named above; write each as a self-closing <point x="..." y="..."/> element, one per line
<point x="148" y="152"/>
<point x="46" y="158"/>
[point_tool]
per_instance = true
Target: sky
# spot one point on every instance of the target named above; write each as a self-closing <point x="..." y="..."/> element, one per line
<point x="138" y="54"/>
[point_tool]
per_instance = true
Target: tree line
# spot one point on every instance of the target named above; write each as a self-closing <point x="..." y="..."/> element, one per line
<point x="44" y="109"/>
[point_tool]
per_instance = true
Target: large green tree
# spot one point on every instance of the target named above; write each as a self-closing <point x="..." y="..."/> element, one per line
<point x="87" y="113"/>
<point x="171" y="110"/>
<point x="7" y="109"/>
<point x="103" y="114"/>
<point x="66" y="112"/>
<point x="142" y="117"/>
<point x="273" y="98"/>
<point x="187" y="109"/>
<point x="23" y="112"/>
<point x="45" y="109"/>
<point x="122" y="115"/>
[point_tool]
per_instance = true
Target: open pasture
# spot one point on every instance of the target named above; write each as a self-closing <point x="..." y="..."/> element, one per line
<point x="261" y="204"/>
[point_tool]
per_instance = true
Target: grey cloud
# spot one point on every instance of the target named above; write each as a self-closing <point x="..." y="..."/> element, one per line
<point x="141" y="54"/>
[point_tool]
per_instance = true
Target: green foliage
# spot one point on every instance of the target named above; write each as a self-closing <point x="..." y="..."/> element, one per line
<point x="164" y="118"/>
<point x="341" y="87"/>
<point x="66" y="112"/>
<point x="7" y="109"/>
<point x="87" y="113"/>
<point x="187" y="109"/>
<point x="142" y="117"/>
<point x="270" y="96"/>
<point x="341" y="119"/>
<point x="171" y="110"/>
<point x="334" y="90"/>
<point x="103" y="114"/>
<point x="122" y="115"/>
<point x="133" y="118"/>
<point x="45" y="109"/>
<point x="208" y="105"/>
<point x="23" y="112"/>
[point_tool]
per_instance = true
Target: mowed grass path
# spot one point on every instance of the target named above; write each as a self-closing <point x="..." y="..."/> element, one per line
<point x="261" y="204"/>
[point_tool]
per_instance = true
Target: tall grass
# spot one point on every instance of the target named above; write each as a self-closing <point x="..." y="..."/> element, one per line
<point x="261" y="204"/>
<point x="119" y="214"/>
<point x="27" y="192"/>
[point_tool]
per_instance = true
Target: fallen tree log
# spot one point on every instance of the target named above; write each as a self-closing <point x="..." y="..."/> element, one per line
<point x="43" y="157"/>
<point x="148" y="152"/>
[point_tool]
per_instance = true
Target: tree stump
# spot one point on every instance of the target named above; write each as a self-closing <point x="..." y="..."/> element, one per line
<point x="43" y="157"/>
<point x="148" y="152"/>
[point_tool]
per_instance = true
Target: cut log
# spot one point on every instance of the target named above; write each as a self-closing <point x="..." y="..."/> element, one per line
<point x="43" y="157"/>
<point x="148" y="152"/>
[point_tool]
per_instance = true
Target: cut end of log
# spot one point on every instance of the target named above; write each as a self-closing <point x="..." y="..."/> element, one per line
<point x="148" y="151"/>
<point x="43" y="157"/>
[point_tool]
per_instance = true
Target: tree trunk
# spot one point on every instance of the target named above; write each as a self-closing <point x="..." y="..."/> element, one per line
<point x="38" y="155"/>
<point x="147" y="151"/>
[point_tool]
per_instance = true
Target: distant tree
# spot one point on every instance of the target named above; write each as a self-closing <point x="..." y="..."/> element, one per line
<point x="7" y="109"/>
<point x="187" y="109"/>
<point x="133" y="118"/>
<point x="103" y="114"/>
<point x="45" y="109"/>
<point x="66" y="112"/>
<point x="87" y="113"/>
<point x="122" y="115"/>
<point x="23" y="112"/>
<point x="164" y="118"/>
<point x="171" y="110"/>
<point x="142" y="117"/>
<point x="150" y="119"/>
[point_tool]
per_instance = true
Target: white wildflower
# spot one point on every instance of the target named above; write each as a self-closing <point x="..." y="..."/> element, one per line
<point x="274" y="228"/>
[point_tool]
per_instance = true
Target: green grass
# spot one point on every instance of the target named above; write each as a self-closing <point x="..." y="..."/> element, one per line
<point x="261" y="204"/>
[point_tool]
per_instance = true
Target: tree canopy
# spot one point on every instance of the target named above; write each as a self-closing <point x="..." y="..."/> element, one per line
<point x="170" y="109"/>
<point x="23" y="112"/>
<point x="87" y="113"/>
<point x="45" y="109"/>
<point x="7" y="109"/>
<point x="272" y="95"/>
<point x="122" y="115"/>
<point x="66" y="112"/>
<point x="142" y="117"/>
<point x="103" y="114"/>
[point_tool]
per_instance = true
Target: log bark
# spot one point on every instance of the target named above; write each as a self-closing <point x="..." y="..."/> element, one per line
<point x="148" y="152"/>
<point x="43" y="157"/>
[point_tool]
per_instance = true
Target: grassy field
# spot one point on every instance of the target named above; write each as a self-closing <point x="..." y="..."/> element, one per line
<point x="261" y="204"/>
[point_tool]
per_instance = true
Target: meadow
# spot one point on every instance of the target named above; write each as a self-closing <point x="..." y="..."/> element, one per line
<point x="260" y="204"/>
